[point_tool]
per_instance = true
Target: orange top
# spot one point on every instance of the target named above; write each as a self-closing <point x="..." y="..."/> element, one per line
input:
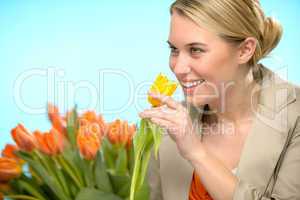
<point x="197" y="190"/>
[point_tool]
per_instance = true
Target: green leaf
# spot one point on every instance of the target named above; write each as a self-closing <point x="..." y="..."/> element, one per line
<point x="139" y="140"/>
<point x="24" y="155"/>
<point x="130" y="156"/>
<point x="62" y="179"/>
<point x="149" y="135"/>
<point x="157" y="134"/>
<point x="101" y="177"/>
<point x="121" y="162"/>
<point x="74" y="190"/>
<point x="109" y="154"/>
<point x="140" y="143"/>
<point x="88" y="172"/>
<point x="72" y="162"/>
<point x="124" y="190"/>
<point x="143" y="168"/>
<point x="72" y="127"/>
<point x="121" y="185"/>
<point x="48" y="177"/>
<point x="143" y="193"/>
<point x="89" y="193"/>
<point x="31" y="190"/>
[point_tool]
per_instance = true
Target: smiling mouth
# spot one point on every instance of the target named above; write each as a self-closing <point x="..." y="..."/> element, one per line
<point x="192" y="84"/>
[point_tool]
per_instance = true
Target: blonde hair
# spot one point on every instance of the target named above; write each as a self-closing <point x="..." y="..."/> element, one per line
<point x="234" y="21"/>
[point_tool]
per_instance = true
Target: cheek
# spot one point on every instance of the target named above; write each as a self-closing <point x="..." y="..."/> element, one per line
<point x="218" y="66"/>
<point x="172" y="63"/>
<point x="202" y="68"/>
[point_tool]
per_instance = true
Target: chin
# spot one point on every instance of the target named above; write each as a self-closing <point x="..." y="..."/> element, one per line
<point x="197" y="102"/>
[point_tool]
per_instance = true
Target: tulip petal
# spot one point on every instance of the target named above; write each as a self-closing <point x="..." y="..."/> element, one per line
<point x="9" y="169"/>
<point x="24" y="140"/>
<point x="161" y="85"/>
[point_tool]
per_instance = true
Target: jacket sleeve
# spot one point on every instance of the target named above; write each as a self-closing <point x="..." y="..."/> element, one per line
<point x="287" y="185"/>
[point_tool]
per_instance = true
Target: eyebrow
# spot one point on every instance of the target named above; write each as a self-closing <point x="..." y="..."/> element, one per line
<point x="190" y="44"/>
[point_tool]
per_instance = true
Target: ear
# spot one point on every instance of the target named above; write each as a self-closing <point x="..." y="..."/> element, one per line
<point x="246" y="50"/>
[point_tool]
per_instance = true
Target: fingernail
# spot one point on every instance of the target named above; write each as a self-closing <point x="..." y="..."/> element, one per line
<point x="152" y="94"/>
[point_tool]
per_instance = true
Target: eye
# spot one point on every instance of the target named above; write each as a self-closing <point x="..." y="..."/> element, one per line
<point x="174" y="50"/>
<point x="196" y="50"/>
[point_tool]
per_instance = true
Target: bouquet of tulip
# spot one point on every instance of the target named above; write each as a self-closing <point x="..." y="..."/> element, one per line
<point x="81" y="157"/>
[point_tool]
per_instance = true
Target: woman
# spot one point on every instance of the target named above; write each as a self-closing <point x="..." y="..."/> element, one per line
<point x="230" y="133"/>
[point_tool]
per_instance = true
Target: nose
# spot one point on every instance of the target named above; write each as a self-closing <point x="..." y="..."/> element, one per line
<point x="180" y="64"/>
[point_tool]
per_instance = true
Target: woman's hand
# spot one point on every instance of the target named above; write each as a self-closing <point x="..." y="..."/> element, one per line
<point x="174" y="117"/>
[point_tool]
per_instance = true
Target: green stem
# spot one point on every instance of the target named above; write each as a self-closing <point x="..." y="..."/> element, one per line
<point x="61" y="177"/>
<point x="78" y="172"/>
<point x="88" y="166"/>
<point x="52" y="173"/>
<point x="68" y="169"/>
<point x="32" y="190"/>
<point x="42" y="160"/>
<point x="136" y="169"/>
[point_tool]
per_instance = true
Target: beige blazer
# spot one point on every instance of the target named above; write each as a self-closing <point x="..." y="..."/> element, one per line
<point x="278" y="108"/>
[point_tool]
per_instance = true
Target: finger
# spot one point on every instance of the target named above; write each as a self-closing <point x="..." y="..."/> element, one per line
<point x="148" y="113"/>
<point x="161" y="109"/>
<point x="169" y="101"/>
<point x="167" y="114"/>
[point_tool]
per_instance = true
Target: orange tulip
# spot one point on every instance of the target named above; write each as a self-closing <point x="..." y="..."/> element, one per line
<point x="23" y="138"/>
<point x="4" y="187"/>
<point x="50" y="143"/>
<point x="1" y="196"/>
<point x="58" y="122"/>
<point x="120" y="132"/>
<point x="9" y="169"/>
<point x="9" y="152"/>
<point x="88" y="143"/>
<point x="91" y="121"/>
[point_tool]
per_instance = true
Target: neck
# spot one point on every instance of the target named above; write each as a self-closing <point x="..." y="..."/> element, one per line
<point x="236" y="102"/>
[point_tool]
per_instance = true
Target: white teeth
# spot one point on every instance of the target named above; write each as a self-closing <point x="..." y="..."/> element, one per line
<point x="192" y="84"/>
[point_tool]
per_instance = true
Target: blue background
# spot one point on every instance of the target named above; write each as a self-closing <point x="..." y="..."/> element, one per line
<point x="82" y="37"/>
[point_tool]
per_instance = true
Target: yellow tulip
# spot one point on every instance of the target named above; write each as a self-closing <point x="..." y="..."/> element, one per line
<point x="162" y="85"/>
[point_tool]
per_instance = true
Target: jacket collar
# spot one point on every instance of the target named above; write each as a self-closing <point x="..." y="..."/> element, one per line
<point x="275" y="94"/>
<point x="266" y="139"/>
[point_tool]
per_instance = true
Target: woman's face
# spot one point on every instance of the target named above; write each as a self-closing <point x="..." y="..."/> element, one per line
<point x="204" y="64"/>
